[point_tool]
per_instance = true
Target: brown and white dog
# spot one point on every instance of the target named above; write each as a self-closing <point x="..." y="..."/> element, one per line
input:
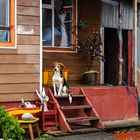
<point x="60" y="85"/>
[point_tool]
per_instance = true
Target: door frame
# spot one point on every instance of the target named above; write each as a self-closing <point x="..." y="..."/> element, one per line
<point x="130" y="58"/>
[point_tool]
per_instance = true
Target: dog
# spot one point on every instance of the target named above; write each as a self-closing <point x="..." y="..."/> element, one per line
<point x="60" y="85"/>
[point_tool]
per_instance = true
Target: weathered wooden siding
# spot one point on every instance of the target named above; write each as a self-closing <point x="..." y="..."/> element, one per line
<point x="90" y="12"/>
<point x="19" y="68"/>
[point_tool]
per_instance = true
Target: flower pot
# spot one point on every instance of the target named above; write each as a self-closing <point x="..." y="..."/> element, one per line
<point x="89" y="78"/>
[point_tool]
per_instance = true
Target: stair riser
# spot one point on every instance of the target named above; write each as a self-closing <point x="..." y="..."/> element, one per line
<point x="75" y="101"/>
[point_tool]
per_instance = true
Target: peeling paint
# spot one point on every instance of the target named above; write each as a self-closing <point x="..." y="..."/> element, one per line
<point x="27" y="30"/>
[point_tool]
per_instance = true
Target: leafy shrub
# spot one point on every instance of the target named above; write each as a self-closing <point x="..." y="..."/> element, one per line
<point x="9" y="126"/>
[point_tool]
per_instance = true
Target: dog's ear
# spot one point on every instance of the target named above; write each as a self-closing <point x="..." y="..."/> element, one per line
<point x="53" y="64"/>
<point x="62" y="66"/>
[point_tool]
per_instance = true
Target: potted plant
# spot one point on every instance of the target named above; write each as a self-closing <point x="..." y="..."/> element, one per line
<point x="90" y="49"/>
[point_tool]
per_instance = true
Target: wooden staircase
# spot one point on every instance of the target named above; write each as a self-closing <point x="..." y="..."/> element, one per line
<point x="80" y="115"/>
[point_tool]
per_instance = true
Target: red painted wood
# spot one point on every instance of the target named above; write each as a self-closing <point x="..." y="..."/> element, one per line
<point x="81" y="119"/>
<point x="75" y="107"/>
<point x="93" y="112"/>
<point x="129" y="58"/>
<point x="112" y="103"/>
<point x="61" y="118"/>
<point x="48" y="118"/>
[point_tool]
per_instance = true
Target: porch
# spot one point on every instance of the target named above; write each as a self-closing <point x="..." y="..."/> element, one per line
<point x="114" y="105"/>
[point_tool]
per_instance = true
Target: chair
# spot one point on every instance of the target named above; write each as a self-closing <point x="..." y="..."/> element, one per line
<point x="26" y="124"/>
<point x="48" y="118"/>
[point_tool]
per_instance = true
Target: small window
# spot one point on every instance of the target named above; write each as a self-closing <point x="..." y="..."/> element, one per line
<point x="7" y="23"/>
<point x="58" y="22"/>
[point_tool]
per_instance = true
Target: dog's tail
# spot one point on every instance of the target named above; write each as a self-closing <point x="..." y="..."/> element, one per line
<point x="70" y="97"/>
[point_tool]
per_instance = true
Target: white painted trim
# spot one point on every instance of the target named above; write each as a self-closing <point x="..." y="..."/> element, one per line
<point x="15" y="46"/>
<point x="76" y="22"/>
<point x="134" y="42"/>
<point x="102" y="63"/>
<point x="47" y="6"/>
<point x="41" y="50"/>
<point x="53" y="24"/>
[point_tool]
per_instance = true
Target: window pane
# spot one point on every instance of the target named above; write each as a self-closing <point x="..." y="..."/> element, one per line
<point x="60" y="33"/>
<point x="47" y="26"/>
<point x="68" y="26"/>
<point x="4" y="36"/>
<point x="4" y="8"/>
<point x="68" y="16"/>
<point x="67" y="2"/>
<point x="46" y="1"/>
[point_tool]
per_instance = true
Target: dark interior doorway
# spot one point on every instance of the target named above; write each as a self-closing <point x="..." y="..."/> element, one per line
<point x="111" y="65"/>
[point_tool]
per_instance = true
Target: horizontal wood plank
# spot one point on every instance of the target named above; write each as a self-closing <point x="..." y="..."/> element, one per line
<point x="29" y="11"/>
<point x="75" y="107"/>
<point x="18" y="88"/>
<point x="29" y="49"/>
<point x="28" y="40"/>
<point x="81" y="119"/>
<point x="28" y="20"/>
<point x="23" y="59"/>
<point x="18" y="69"/>
<point x="28" y="30"/>
<point x="12" y="97"/>
<point x="29" y="2"/>
<point x="18" y="78"/>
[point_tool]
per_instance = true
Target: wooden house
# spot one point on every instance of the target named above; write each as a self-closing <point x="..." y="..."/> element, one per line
<point x="36" y="33"/>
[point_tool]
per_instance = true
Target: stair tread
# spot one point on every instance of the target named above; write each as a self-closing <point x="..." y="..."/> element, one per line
<point x="49" y="123"/>
<point x="86" y="118"/>
<point x="73" y="96"/>
<point x="75" y="107"/>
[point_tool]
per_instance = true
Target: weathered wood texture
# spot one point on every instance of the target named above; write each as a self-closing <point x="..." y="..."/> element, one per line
<point x="72" y="61"/>
<point x="19" y="68"/>
<point x="89" y="12"/>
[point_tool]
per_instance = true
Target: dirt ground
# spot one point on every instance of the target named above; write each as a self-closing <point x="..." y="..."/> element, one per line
<point x="87" y="136"/>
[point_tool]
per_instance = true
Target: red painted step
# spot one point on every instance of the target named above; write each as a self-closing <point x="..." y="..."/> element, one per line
<point x="81" y="119"/>
<point x="80" y="113"/>
<point x="74" y="96"/>
<point x="75" y="107"/>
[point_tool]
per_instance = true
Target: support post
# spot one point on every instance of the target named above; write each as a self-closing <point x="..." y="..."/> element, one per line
<point x="134" y="42"/>
<point x="120" y="8"/>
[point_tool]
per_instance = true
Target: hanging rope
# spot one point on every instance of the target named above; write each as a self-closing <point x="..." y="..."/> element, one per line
<point x="130" y="91"/>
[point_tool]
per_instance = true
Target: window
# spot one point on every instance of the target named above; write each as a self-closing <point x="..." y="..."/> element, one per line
<point x="7" y="23"/>
<point x="58" y="20"/>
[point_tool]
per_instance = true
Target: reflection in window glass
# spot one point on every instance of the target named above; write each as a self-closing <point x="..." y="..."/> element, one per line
<point x="68" y="26"/>
<point x="4" y="36"/>
<point x="47" y="26"/>
<point x="68" y="16"/>
<point x="57" y="23"/>
<point x="46" y="1"/>
<point x="67" y="2"/>
<point x="60" y="33"/>
<point x="4" y="12"/>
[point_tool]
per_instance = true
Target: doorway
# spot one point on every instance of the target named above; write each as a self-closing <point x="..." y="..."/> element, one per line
<point x="111" y="49"/>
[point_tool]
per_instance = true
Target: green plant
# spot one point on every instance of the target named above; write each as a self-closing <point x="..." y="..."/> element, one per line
<point x="9" y="126"/>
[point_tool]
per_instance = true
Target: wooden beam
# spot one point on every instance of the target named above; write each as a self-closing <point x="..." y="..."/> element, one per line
<point x="134" y="42"/>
